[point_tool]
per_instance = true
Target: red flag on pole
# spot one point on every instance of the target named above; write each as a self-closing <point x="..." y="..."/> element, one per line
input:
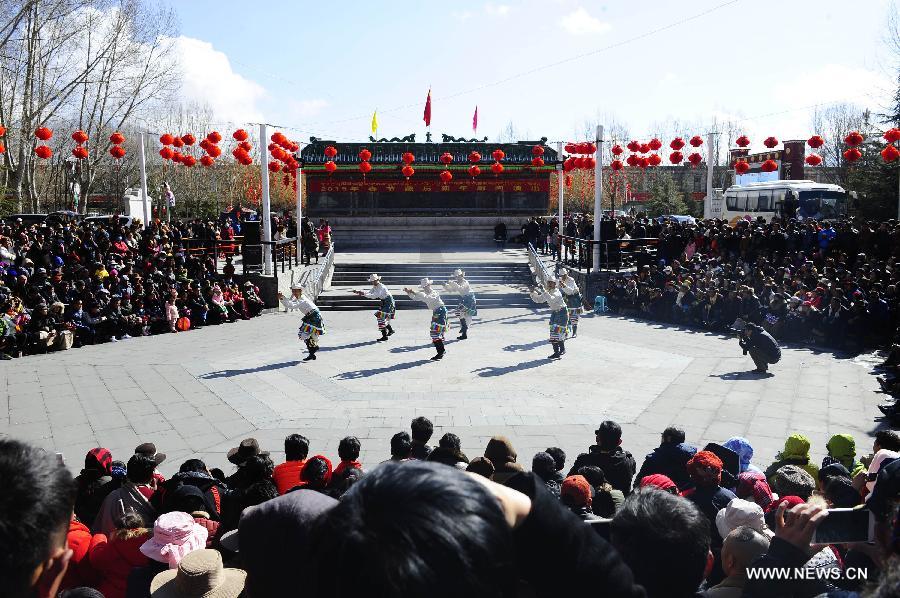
<point x="475" y="120"/>
<point x="427" y="116"/>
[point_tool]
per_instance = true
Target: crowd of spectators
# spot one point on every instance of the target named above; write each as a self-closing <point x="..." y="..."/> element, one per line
<point x="69" y="284"/>
<point x="830" y="284"/>
<point x="689" y="521"/>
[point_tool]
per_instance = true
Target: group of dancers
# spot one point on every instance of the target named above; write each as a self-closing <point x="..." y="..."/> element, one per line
<point x="563" y="298"/>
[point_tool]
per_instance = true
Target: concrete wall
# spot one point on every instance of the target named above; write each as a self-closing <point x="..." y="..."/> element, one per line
<point x="352" y="231"/>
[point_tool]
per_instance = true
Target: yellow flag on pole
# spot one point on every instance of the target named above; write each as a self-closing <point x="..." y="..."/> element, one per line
<point x="375" y="122"/>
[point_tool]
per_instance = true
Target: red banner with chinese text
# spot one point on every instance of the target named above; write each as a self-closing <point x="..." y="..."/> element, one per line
<point x="482" y="184"/>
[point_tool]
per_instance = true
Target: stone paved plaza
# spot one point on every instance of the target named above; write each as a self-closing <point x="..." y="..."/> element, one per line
<point x="199" y="393"/>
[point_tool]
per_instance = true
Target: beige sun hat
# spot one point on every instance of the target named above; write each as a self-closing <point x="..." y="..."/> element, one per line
<point x="458" y="273"/>
<point x="374" y="278"/>
<point x="426" y="282"/>
<point x="200" y="573"/>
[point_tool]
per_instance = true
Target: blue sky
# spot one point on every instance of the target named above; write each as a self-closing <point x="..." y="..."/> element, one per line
<point x="323" y="67"/>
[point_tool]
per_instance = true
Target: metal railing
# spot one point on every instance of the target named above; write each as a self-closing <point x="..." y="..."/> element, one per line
<point x="538" y="268"/>
<point x="315" y="280"/>
<point x="614" y="254"/>
<point x="284" y="253"/>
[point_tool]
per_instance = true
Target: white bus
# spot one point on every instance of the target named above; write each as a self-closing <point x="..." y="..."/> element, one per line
<point x="785" y="199"/>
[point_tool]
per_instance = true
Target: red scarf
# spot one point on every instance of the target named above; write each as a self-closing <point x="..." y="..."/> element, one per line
<point x="344" y="465"/>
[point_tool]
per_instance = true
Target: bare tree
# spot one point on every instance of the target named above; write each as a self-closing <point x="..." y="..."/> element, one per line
<point x="833" y="123"/>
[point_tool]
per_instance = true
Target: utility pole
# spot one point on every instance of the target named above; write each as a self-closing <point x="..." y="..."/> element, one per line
<point x="598" y="197"/>
<point x="266" y="201"/>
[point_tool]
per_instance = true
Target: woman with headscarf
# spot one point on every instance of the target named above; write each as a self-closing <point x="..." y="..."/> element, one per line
<point x="796" y="452"/>
<point x="439" y="320"/>
<point x="752" y="485"/>
<point x="467" y="307"/>
<point x="502" y="455"/>
<point x="842" y="449"/>
<point x="744" y="450"/>
<point x="559" y="318"/>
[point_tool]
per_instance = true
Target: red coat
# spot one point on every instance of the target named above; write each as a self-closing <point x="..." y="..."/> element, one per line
<point x="79" y="572"/>
<point x="114" y="560"/>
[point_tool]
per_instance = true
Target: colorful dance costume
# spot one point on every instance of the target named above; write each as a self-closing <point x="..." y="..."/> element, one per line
<point x="559" y="318"/>
<point x="467" y="307"/>
<point x="574" y="302"/>
<point x="439" y="319"/>
<point x="386" y="312"/>
<point x="311" y="326"/>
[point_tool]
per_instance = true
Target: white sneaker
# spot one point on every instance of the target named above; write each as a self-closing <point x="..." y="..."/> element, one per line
<point x="113" y="340"/>
<point x="125" y="337"/>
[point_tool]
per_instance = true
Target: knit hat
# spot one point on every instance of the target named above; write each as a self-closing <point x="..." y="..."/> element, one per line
<point x="792" y="480"/>
<point x="576" y="491"/>
<point x="741" y="512"/>
<point x="99" y="459"/>
<point x="200" y="573"/>
<point x="792" y="501"/>
<point x="753" y="485"/>
<point x="658" y="480"/>
<point x="705" y="469"/>
<point x="175" y="534"/>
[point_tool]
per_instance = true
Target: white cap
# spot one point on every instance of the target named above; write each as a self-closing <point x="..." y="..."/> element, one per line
<point x="374" y="278"/>
<point x="296" y="287"/>
<point x="425" y="282"/>
<point x="458" y="273"/>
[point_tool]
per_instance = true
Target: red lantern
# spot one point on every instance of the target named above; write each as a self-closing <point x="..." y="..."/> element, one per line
<point x="166" y="153"/>
<point x="177" y="157"/>
<point x="80" y="152"/>
<point x="741" y="167"/>
<point x="743" y="141"/>
<point x="214" y="137"/>
<point x="330" y="151"/>
<point x="813" y="159"/>
<point x="769" y="166"/>
<point x="2" y="132"/>
<point x="569" y="164"/>
<point x="474" y="171"/>
<point x="43" y="152"/>
<point x="497" y="167"/>
<point x="330" y="166"/>
<point x="695" y="159"/>
<point x="166" y="139"/>
<point x="207" y="161"/>
<point x="117" y="138"/>
<point x="117" y="152"/>
<point x="617" y="150"/>
<point x="214" y="150"/>
<point x="407" y="171"/>
<point x="446" y="158"/>
<point x="189" y="161"/>
<point x="278" y="137"/>
<point x="570" y="148"/>
<point x="474" y="157"/>
<point x="770" y="142"/>
<point x="632" y="160"/>
<point x="537" y="161"/>
<point x="852" y="155"/>
<point x="497" y="155"/>
<point x="43" y="133"/>
<point x="177" y="142"/>
<point x="188" y="139"/>
<point x="240" y="135"/>
<point x="677" y="143"/>
<point x="589" y="163"/>
<point x="654" y="160"/>
<point x="408" y="158"/>
<point x="854" y="138"/>
<point x="643" y="162"/>
<point x="365" y="167"/>
<point x="815" y="141"/>
<point x="696" y="141"/>
<point x="579" y="162"/>
<point x="2" y="149"/>
<point x="590" y="148"/>
<point x="633" y="146"/>
<point x="676" y="157"/>
<point x="645" y="147"/>
<point x="655" y="144"/>
<point x="204" y="143"/>
<point x="365" y="155"/>
<point x="616" y="165"/>
<point x="446" y="176"/>
<point x="79" y="136"/>
<point x="279" y="154"/>
<point x="274" y="167"/>
<point x="891" y="135"/>
<point x="245" y="146"/>
<point x="890" y="153"/>
<point x="537" y="150"/>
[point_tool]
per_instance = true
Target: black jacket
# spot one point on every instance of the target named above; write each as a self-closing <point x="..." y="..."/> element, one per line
<point x="669" y="460"/>
<point x="762" y="341"/>
<point x="618" y="465"/>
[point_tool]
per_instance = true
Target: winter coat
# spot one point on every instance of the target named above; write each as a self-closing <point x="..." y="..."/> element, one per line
<point x="796" y="452"/>
<point x="618" y="465"/>
<point x="762" y="341"/>
<point x="213" y="491"/>
<point x="669" y="460"/>
<point x="79" y="573"/>
<point x="93" y="486"/>
<point x="114" y="559"/>
<point x="117" y="503"/>
<point x="501" y="453"/>
<point x="287" y="475"/>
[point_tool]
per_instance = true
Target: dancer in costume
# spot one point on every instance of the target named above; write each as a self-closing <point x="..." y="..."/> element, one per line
<point x="386" y="311"/>
<point x="573" y="299"/>
<point x="559" y="319"/>
<point x="439" y="320"/>
<point x="312" y="325"/>
<point x="467" y="306"/>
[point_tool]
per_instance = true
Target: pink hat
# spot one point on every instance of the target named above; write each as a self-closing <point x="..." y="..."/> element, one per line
<point x="175" y="534"/>
<point x="875" y="466"/>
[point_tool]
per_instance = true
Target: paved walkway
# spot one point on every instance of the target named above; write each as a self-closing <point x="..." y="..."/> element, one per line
<point x="199" y="393"/>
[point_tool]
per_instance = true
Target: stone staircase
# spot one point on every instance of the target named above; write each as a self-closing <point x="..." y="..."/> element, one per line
<point x="495" y="284"/>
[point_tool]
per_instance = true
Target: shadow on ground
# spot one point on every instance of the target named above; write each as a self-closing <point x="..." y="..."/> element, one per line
<point x="525" y="346"/>
<point x="262" y="368"/>
<point x="745" y="375"/>
<point x="493" y="371"/>
<point x="357" y="374"/>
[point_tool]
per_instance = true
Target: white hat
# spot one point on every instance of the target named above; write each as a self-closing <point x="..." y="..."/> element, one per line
<point x="458" y="273"/>
<point x="296" y="287"/>
<point x="563" y="272"/>
<point x="425" y="282"/>
<point x="550" y="280"/>
<point x="741" y="512"/>
<point x="374" y="278"/>
<point x="875" y="465"/>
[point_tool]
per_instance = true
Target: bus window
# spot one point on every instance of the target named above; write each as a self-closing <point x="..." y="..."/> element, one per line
<point x="731" y="201"/>
<point x="810" y="204"/>
<point x="752" y="198"/>
<point x="741" y="203"/>
<point x="764" y="204"/>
